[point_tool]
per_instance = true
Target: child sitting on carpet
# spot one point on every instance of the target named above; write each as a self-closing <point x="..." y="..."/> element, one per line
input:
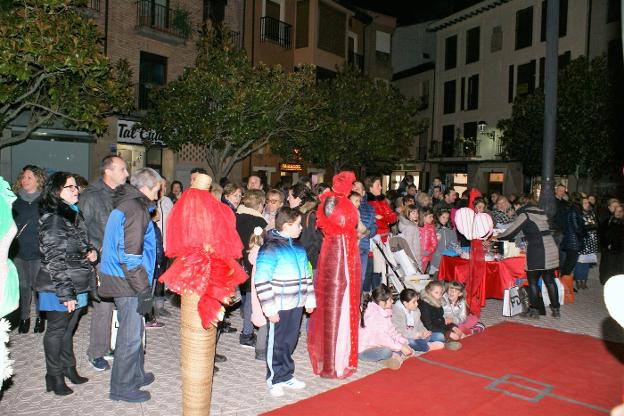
<point x="378" y="339"/>
<point x="406" y="319"/>
<point x="432" y="316"/>
<point x="456" y="310"/>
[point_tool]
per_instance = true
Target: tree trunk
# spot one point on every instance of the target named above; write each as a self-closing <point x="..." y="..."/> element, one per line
<point x="196" y="359"/>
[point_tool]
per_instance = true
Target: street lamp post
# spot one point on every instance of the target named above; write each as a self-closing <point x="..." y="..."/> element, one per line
<point x="547" y="196"/>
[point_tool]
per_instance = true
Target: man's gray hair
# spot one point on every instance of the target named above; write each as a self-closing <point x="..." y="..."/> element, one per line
<point x="145" y="177"/>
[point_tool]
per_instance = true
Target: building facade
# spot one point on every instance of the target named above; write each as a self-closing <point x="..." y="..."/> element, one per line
<point x="486" y="55"/>
<point x="323" y="33"/>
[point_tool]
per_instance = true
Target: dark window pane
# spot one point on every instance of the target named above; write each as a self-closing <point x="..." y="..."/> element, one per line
<point x="614" y="55"/>
<point x="303" y="17"/>
<point x="448" y="140"/>
<point x="524" y="28"/>
<point x="272" y="9"/>
<point x="473" y="40"/>
<point x="613" y="11"/>
<point x="563" y="19"/>
<point x="542" y="66"/>
<point x="449" y="97"/>
<point x="496" y="43"/>
<point x="450" y="52"/>
<point x="152" y="73"/>
<point x="564" y="60"/>
<point x="526" y="78"/>
<point x="214" y="10"/>
<point x="333" y="36"/>
<point x="462" y="94"/>
<point x="473" y="92"/>
<point x="469" y="147"/>
<point x="510" y="89"/>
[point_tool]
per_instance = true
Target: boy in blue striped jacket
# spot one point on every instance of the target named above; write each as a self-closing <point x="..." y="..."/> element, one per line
<point x="284" y="285"/>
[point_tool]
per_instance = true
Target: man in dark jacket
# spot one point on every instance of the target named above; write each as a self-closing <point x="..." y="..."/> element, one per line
<point x="126" y="274"/>
<point x="96" y="204"/>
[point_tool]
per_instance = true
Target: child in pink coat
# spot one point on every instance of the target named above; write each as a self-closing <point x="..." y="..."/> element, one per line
<point x="378" y="339"/>
<point x="428" y="237"/>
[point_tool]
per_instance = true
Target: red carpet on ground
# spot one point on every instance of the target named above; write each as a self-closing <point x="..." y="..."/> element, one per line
<point x="510" y="369"/>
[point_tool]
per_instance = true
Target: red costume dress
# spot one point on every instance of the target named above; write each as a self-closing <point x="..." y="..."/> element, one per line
<point x="333" y="327"/>
<point x="197" y="222"/>
<point x="428" y="243"/>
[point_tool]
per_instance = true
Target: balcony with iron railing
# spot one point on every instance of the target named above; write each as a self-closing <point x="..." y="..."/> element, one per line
<point x="159" y="18"/>
<point x="356" y="60"/>
<point x="275" y="31"/>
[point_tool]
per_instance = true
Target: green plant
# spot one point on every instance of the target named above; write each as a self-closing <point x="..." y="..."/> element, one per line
<point x="181" y="22"/>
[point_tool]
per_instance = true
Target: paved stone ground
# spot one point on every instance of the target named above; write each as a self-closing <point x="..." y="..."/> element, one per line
<point x="239" y="387"/>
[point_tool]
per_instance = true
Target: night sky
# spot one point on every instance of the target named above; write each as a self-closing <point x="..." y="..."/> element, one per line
<point x="414" y="11"/>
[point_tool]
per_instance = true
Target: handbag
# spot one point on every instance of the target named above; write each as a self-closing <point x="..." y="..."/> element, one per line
<point x="512" y="305"/>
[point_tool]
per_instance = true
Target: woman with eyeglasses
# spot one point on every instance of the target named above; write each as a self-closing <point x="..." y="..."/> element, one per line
<point x="65" y="278"/>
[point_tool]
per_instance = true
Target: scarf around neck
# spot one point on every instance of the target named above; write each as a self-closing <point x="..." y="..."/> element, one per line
<point x="28" y="197"/>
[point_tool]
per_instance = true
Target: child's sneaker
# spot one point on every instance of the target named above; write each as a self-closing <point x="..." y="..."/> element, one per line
<point x="276" y="390"/>
<point x="393" y="363"/>
<point x="154" y="325"/>
<point x="294" y="384"/>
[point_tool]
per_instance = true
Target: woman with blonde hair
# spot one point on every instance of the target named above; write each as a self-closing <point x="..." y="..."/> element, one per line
<point x="28" y="188"/>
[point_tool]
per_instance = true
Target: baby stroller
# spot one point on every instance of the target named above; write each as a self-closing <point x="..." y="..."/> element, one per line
<point x="402" y="268"/>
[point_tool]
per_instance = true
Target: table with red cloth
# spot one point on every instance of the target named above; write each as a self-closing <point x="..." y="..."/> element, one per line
<point x="499" y="275"/>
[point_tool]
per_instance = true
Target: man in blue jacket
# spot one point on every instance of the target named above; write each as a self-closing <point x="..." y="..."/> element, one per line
<point x="367" y="216"/>
<point x="126" y="274"/>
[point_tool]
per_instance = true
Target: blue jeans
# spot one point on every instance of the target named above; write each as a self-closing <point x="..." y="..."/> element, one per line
<point x="128" y="372"/>
<point x="371" y="280"/>
<point x="375" y="354"/>
<point x="419" y="345"/>
<point x="437" y="337"/>
<point x="581" y="271"/>
<point x="247" y="325"/>
<point x="363" y="264"/>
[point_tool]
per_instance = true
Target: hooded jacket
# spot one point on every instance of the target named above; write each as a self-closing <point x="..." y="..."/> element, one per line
<point x="64" y="245"/>
<point x="399" y="319"/>
<point x="431" y="313"/>
<point x="96" y="204"/>
<point x="282" y="277"/>
<point x="409" y="231"/>
<point x="379" y="330"/>
<point x="129" y="247"/>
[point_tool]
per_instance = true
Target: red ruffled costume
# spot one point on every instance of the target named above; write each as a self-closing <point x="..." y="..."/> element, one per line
<point x="333" y="327"/>
<point x="196" y="221"/>
<point x="475" y="286"/>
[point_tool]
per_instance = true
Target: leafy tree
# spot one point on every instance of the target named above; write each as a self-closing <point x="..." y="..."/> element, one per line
<point x="229" y="107"/>
<point x="585" y="143"/>
<point x="363" y="123"/>
<point x="52" y="66"/>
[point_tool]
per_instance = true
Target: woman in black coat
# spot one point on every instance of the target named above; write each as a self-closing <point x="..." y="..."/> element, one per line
<point x="573" y="235"/>
<point x="612" y="261"/>
<point x="65" y="278"/>
<point x="25" y="247"/>
<point x="542" y="257"/>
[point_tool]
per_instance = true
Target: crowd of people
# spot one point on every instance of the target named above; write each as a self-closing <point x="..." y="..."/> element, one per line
<point x="309" y="251"/>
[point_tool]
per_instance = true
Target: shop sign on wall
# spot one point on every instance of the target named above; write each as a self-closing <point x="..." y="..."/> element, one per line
<point x="126" y="133"/>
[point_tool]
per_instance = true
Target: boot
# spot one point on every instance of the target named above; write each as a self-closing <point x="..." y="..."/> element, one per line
<point x="24" y="326"/>
<point x="555" y="312"/>
<point x="532" y="313"/>
<point x="72" y="375"/>
<point x="57" y="385"/>
<point x="39" y="325"/>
